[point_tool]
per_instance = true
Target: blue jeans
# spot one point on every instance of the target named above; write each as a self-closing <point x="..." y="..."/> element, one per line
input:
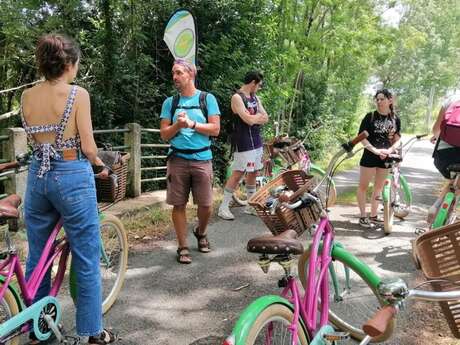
<point x="68" y="191"/>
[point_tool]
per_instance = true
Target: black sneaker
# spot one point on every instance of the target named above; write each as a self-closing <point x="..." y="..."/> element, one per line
<point x="376" y="219"/>
<point x="365" y="222"/>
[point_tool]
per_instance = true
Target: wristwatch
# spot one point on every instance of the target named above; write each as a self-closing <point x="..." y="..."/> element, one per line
<point x="194" y="125"/>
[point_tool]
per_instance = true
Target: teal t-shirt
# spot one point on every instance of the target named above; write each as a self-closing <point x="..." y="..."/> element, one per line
<point x="188" y="138"/>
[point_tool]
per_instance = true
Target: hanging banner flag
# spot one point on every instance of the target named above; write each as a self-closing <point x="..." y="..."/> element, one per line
<point x="180" y="36"/>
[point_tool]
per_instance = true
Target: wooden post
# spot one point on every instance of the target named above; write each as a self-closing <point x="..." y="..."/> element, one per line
<point x="133" y="140"/>
<point x="17" y="143"/>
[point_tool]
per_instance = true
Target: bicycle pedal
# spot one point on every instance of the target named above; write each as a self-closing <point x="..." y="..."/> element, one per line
<point x="337" y="336"/>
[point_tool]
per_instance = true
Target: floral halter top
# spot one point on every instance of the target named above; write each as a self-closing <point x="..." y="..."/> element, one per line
<point x="47" y="151"/>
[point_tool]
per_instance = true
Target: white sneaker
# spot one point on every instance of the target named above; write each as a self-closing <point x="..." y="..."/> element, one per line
<point x="250" y="210"/>
<point x="224" y="213"/>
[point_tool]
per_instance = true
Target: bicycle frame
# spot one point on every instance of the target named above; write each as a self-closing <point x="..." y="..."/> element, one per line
<point x="11" y="266"/>
<point x="317" y="285"/>
<point x="30" y="287"/>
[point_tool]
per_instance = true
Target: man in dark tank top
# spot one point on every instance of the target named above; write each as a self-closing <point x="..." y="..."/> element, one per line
<point x="249" y="115"/>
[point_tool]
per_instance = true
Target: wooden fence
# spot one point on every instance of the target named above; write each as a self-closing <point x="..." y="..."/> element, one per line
<point x="146" y="168"/>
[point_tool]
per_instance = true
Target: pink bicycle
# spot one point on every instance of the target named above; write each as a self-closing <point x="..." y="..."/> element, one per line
<point x="18" y="313"/>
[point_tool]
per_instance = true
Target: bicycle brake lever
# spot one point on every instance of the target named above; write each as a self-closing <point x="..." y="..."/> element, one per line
<point x="274" y="206"/>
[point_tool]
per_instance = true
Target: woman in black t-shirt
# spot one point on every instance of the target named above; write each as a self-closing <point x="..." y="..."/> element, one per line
<point x="384" y="128"/>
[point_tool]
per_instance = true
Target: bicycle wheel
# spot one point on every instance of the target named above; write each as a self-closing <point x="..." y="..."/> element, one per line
<point x="114" y="259"/>
<point x="388" y="202"/>
<point x="239" y="197"/>
<point x="271" y="326"/>
<point x="402" y="199"/>
<point x="318" y="175"/>
<point x="8" y="309"/>
<point x="356" y="300"/>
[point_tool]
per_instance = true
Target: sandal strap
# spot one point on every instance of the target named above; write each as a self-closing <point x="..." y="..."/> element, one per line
<point x="198" y="235"/>
<point x="180" y="249"/>
<point x="105" y="337"/>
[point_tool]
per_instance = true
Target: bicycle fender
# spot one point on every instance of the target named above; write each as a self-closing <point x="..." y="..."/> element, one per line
<point x="386" y="188"/>
<point x="360" y="267"/>
<point x="247" y="318"/>
<point x="441" y="217"/>
<point x="16" y="294"/>
<point x="406" y="190"/>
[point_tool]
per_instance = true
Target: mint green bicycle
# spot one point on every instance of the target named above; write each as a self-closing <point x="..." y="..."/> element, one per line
<point x="396" y="194"/>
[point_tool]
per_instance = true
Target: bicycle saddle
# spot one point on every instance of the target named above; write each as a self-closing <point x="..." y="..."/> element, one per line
<point x="284" y="243"/>
<point x="9" y="207"/>
<point x="455" y="168"/>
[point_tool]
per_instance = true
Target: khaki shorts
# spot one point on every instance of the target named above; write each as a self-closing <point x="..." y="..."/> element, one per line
<point x="184" y="175"/>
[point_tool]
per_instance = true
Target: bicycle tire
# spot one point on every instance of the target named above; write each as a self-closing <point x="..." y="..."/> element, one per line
<point x="364" y="305"/>
<point x="239" y="195"/>
<point x="317" y="177"/>
<point x="9" y="308"/>
<point x="112" y="281"/>
<point x="274" y="313"/>
<point x="122" y="255"/>
<point x="404" y="199"/>
<point x="388" y="217"/>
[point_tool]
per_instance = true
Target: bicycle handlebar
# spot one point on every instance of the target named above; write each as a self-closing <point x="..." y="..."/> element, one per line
<point x="420" y="136"/>
<point x="360" y="137"/>
<point x="377" y="325"/>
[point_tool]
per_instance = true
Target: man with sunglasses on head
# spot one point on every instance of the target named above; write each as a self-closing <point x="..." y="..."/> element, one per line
<point x="249" y="115"/>
<point x="188" y="120"/>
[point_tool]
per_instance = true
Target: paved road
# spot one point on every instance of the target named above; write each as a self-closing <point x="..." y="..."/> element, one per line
<point x="164" y="303"/>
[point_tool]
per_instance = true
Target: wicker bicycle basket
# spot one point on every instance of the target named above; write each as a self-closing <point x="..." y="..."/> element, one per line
<point x="284" y="218"/>
<point x="107" y="190"/>
<point x="439" y="254"/>
<point x="292" y="153"/>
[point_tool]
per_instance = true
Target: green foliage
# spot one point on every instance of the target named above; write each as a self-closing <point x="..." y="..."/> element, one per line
<point x="317" y="57"/>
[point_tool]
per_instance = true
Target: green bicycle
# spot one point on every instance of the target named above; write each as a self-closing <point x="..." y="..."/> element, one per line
<point x="396" y="194"/>
<point x="282" y="154"/>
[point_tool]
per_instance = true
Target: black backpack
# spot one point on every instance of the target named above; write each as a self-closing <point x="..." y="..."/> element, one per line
<point x="202" y="105"/>
<point x="204" y="109"/>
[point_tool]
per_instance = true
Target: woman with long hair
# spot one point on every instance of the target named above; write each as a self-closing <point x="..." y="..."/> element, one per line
<point x="383" y="126"/>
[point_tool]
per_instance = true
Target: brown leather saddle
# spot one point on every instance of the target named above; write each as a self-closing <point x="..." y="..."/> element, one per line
<point x="284" y="243"/>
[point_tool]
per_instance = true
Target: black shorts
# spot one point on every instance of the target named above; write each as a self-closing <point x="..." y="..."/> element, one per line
<point x="370" y="160"/>
<point x="445" y="157"/>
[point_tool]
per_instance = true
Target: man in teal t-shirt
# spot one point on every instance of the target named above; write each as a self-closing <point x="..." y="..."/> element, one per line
<point x="189" y="164"/>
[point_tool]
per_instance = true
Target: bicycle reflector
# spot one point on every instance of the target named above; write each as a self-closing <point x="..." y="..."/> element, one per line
<point x="229" y="341"/>
<point x="445" y="205"/>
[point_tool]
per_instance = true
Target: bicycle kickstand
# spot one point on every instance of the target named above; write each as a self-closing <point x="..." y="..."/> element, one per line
<point x="62" y="339"/>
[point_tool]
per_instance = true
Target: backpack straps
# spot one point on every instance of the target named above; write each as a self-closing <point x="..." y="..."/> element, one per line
<point x="174" y="105"/>
<point x="244" y="98"/>
<point x="202" y="105"/>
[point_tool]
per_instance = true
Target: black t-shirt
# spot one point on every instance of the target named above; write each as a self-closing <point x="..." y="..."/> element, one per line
<point x="381" y="129"/>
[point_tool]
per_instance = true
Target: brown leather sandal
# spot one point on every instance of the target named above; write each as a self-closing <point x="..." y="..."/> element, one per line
<point x="203" y="242"/>
<point x="183" y="255"/>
